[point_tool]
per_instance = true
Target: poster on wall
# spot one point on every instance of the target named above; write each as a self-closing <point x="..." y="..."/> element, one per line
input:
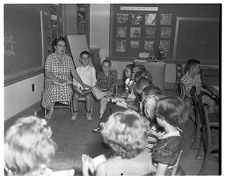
<point x="135" y="32"/>
<point x="150" y="19"/>
<point x="150" y="32"/>
<point x="165" y="19"/>
<point x="121" y="31"/>
<point x="166" y="32"/>
<point x="149" y="45"/>
<point x="165" y="45"/>
<point x="136" y="19"/>
<point x="122" y="18"/>
<point x="120" y="45"/>
<point x="134" y="44"/>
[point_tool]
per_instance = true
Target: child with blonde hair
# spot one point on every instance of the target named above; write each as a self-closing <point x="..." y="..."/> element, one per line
<point x="28" y="147"/>
<point x="125" y="133"/>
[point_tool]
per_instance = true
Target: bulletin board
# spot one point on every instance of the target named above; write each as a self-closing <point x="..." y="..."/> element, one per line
<point x="197" y="38"/>
<point x="22" y="42"/>
<point x="140" y="28"/>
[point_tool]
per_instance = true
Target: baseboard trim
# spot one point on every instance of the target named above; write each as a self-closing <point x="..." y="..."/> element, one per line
<point x="31" y="110"/>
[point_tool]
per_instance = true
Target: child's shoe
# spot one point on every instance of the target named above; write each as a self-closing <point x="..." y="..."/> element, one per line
<point x="88" y="116"/>
<point x="74" y="117"/>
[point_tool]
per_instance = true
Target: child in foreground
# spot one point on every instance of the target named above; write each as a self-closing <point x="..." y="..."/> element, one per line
<point x="170" y="115"/>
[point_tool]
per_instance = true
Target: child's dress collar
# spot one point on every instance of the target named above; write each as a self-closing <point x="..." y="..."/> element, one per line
<point x="174" y="133"/>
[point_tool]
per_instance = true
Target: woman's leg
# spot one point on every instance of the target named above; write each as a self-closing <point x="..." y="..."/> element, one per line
<point x="51" y="111"/>
<point x="75" y="105"/>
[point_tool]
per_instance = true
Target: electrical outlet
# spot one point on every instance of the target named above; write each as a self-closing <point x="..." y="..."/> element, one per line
<point x="32" y="87"/>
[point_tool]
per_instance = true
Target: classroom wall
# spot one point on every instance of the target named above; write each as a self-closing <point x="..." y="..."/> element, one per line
<point x="19" y="96"/>
<point x="99" y="28"/>
<point x="99" y="33"/>
<point x="99" y="37"/>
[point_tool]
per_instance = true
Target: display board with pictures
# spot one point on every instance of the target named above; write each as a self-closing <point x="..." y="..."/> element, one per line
<point x="139" y="28"/>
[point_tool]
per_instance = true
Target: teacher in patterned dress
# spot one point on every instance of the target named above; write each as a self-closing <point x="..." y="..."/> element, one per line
<point x="59" y="69"/>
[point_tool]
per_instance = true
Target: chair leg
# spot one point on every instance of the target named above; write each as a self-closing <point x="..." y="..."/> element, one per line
<point x="71" y="107"/>
<point x="196" y="132"/>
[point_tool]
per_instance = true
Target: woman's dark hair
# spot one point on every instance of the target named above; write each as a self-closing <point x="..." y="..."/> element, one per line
<point x="85" y="53"/>
<point x="55" y="42"/>
<point x="190" y="63"/>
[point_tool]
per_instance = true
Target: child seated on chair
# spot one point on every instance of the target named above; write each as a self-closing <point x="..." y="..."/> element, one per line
<point x="190" y="79"/>
<point x="170" y="115"/>
<point x="87" y="74"/>
<point x="128" y="80"/>
<point x="130" y="103"/>
<point x="106" y="82"/>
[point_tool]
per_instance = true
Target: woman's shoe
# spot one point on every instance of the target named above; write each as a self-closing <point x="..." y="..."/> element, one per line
<point x="88" y="116"/>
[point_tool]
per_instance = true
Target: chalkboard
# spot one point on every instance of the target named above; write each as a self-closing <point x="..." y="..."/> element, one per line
<point x="22" y="42"/>
<point x="197" y="38"/>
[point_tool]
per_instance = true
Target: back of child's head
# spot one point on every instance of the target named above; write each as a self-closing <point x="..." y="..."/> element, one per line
<point x="172" y="109"/>
<point x="143" y="74"/>
<point x="141" y="84"/>
<point x="28" y="145"/>
<point x="191" y="63"/>
<point x="138" y="67"/>
<point x="150" y="91"/>
<point x="125" y="133"/>
<point x="150" y="106"/>
<point x="85" y="53"/>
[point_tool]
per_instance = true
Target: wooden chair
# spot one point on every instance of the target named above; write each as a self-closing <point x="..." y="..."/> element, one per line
<point x="209" y="121"/>
<point x="60" y="105"/>
<point x="179" y="74"/>
<point x="197" y="123"/>
<point x="182" y="91"/>
<point x="115" y="73"/>
<point x="175" y="167"/>
<point x="83" y="99"/>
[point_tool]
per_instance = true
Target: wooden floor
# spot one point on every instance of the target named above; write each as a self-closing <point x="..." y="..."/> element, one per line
<point x="75" y="138"/>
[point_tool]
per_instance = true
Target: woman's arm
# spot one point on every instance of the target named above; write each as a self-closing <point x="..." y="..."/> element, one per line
<point x="77" y="77"/>
<point x="49" y="75"/>
<point x="161" y="169"/>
